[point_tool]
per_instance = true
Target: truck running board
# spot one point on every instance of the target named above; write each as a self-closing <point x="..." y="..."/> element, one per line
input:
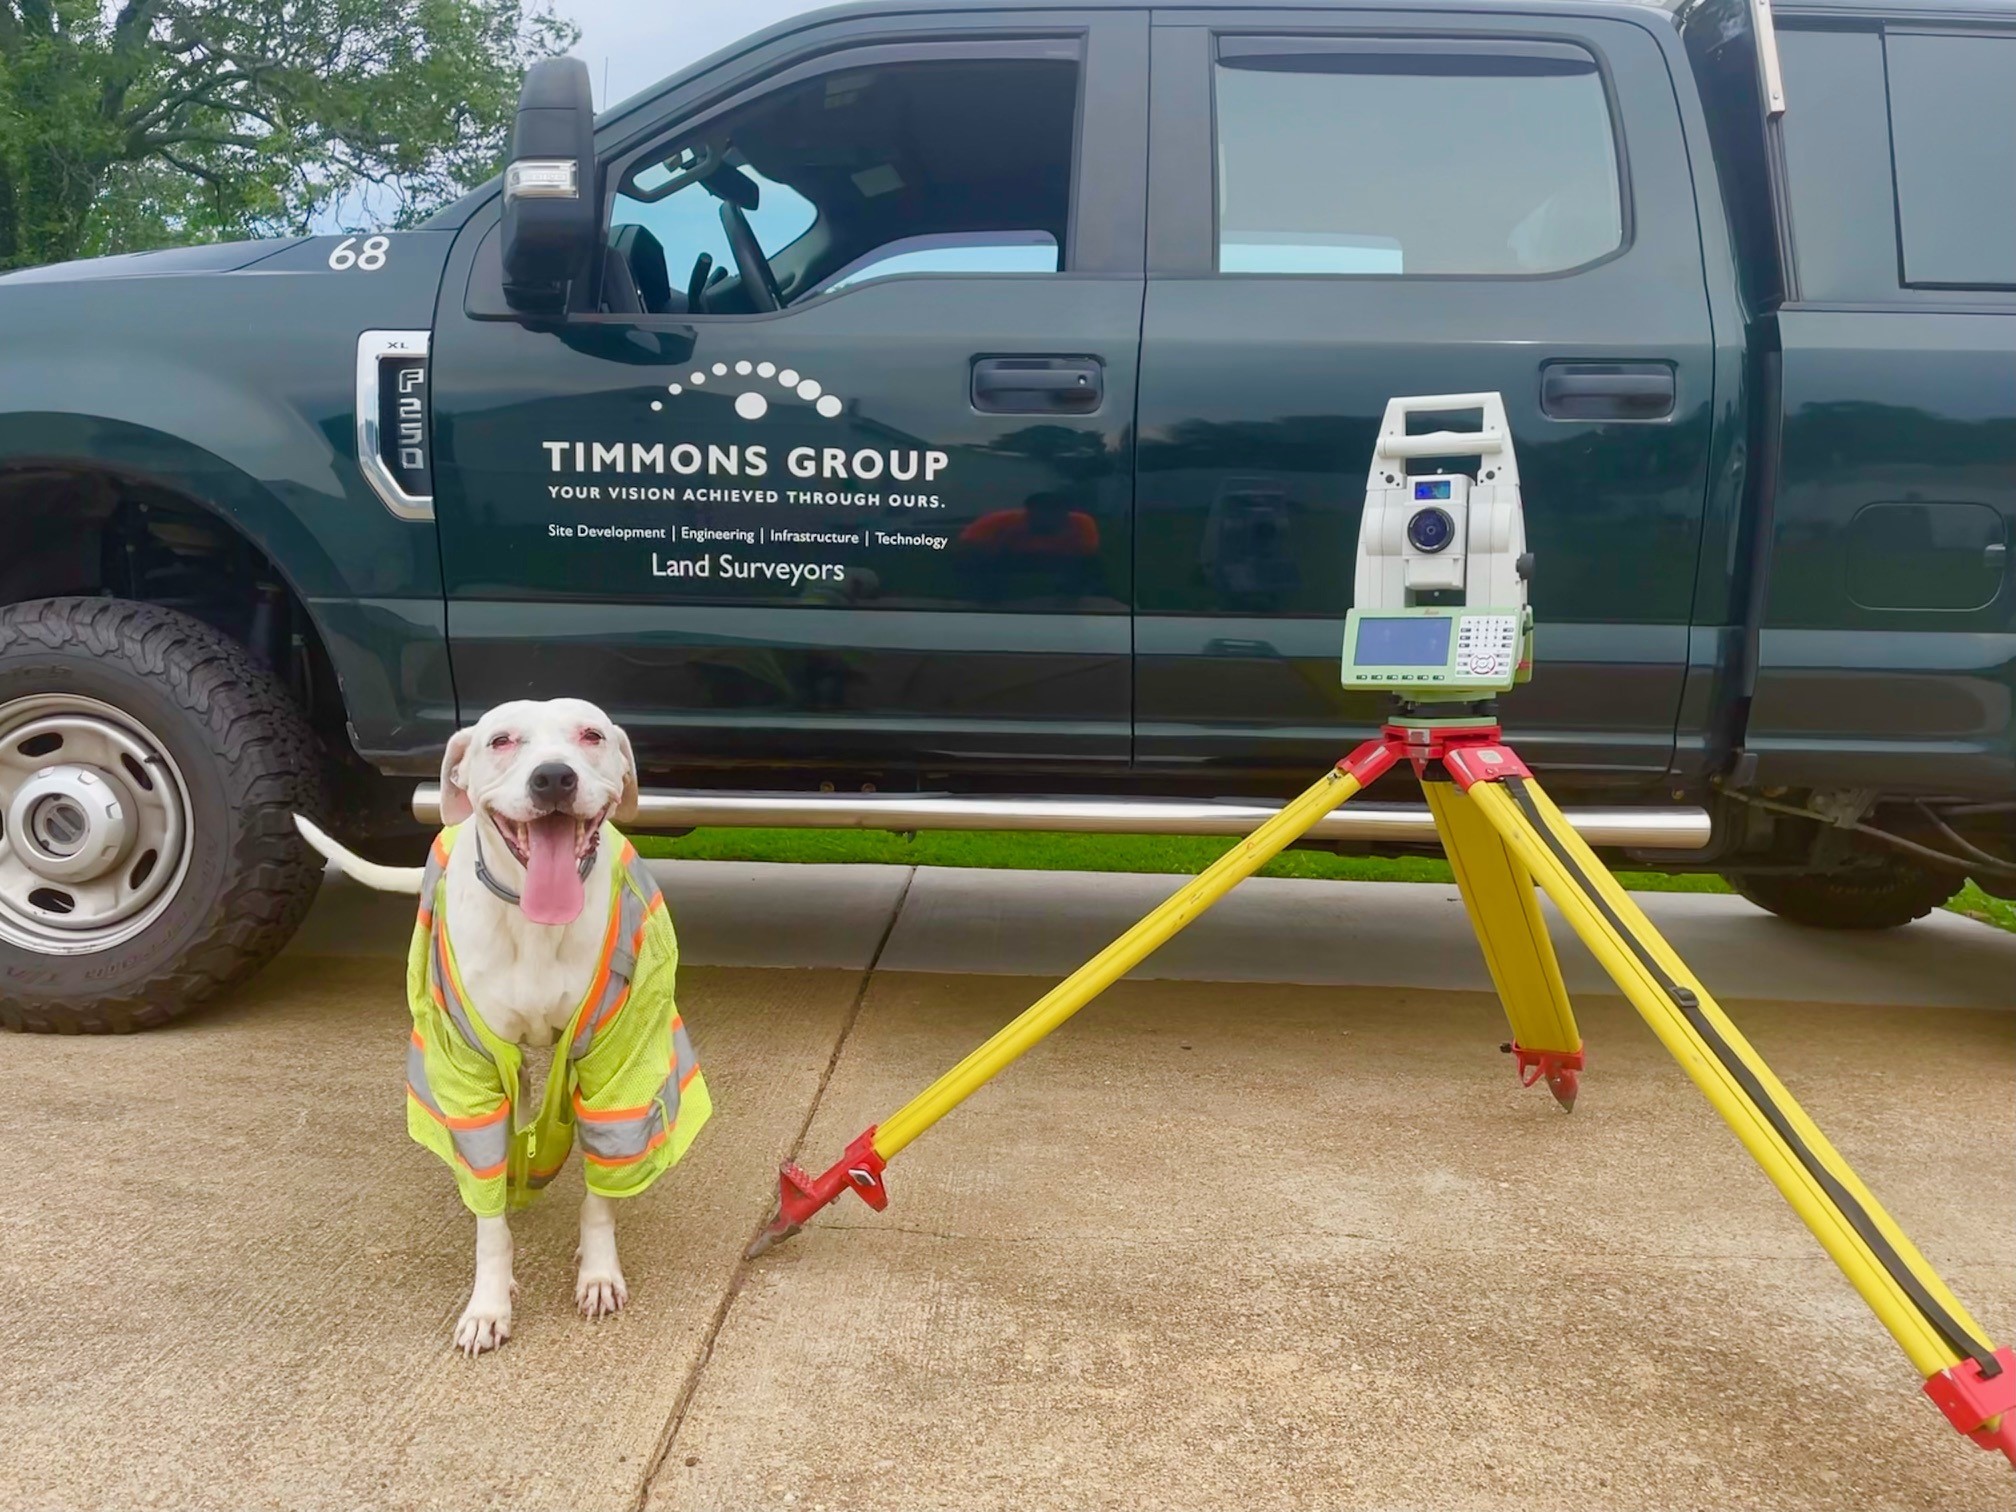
<point x="1665" y="829"/>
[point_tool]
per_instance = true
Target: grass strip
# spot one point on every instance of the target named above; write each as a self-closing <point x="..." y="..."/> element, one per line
<point x="1033" y="851"/>
<point x="1178" y="854"/>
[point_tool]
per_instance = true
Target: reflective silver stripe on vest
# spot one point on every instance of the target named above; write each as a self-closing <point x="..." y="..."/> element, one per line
<point x="630" y="1137"/>
<point x="683" y="1060"/>
<point x="444" y="981"/>
<point x="438" y="974"/>
<point x="612" y="989"/>
<point x="631" y="911"/>
<point x="624" y="1139"/>
<point x="430" y="880"/>
<point x="481" y="1149"/>
<point x="642" y="880"/>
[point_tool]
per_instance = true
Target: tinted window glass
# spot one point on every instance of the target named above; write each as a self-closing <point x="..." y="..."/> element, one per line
<point x="1953" y="129"/>
<point x="688" y="221"/>
<point x="948" y="166"/>
<point x="968" y="252"/>
<point x="1413" y="158"/>
<point x="1837" y="165"/>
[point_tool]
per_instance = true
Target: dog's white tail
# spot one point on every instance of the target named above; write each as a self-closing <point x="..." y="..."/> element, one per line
<point x="398" y="879"/>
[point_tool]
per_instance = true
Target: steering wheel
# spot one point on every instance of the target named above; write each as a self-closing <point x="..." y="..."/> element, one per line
<point x="749" y="259"/>
<point x="696" y="284"/>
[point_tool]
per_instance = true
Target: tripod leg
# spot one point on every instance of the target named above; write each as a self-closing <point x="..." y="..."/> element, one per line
<point x="800" y="1195"/>
<point x="1972" y="1383"/>
<point x="1505" y="912"/>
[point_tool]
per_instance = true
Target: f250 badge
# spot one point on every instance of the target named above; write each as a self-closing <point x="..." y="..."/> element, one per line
<point x="402" y="421"/>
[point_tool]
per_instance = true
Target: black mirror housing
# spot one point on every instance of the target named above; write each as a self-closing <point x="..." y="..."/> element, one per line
<point x="550" y="209"/>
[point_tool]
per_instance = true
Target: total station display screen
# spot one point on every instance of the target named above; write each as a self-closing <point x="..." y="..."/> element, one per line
<point x="1403" y="642"/>
<point x="1439" y="489"/>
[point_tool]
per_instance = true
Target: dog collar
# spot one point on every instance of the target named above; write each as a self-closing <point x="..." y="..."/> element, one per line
<point x="485" y="876"/>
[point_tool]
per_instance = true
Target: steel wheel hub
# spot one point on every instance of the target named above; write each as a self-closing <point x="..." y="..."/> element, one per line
<point x="94" y="825"/>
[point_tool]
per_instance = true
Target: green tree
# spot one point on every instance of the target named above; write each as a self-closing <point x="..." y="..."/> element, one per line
<point x="142" y="123"/>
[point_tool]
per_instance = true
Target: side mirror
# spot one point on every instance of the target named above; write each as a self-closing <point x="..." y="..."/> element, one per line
<point x="551" y="214"/>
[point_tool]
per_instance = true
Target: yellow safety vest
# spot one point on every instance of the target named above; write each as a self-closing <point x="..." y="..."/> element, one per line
<point x="626" y="1078"/>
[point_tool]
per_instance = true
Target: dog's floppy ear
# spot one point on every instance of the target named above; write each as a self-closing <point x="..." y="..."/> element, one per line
<point x="455" y="804"/>
<point x="626" y="806"/>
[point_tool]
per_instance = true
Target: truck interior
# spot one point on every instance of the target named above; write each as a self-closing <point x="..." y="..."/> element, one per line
<point x="860" y="173"/>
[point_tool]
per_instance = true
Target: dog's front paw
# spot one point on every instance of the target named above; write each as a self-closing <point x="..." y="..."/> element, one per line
<point x="600" y="1292"/>
<point x="484" y="1326"/>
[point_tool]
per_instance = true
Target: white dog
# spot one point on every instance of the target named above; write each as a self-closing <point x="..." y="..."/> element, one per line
<point x="532" y="787"/>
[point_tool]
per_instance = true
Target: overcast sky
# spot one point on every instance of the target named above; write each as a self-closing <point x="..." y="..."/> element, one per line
<point x="629" y="44"/>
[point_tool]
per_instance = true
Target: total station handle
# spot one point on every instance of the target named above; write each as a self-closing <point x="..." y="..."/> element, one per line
<point x="1491" y="439"/>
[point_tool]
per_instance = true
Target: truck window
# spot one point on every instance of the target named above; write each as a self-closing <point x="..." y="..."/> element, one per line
<point x="687" y="222"/>
<point x="1837" y="165"/>
<point x="955" y="165"/>
<point x="1409" y="158"/>
<point x="1953" y="136"/>
<point x="965" y="252"/>
<point x="1916" y="196"/>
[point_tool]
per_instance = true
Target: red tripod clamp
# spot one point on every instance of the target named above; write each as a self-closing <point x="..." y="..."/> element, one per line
<point x="1971" y="1401"/>
<point x="1471" y="753"/>
<point x="859" y="1170"/>
<point x="800" y="1195"/>
<point x="1473" y="761"/>
<point x="1562" y="1070"/>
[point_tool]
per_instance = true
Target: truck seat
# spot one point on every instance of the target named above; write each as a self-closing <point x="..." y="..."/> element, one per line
<point x="647" y="288"/>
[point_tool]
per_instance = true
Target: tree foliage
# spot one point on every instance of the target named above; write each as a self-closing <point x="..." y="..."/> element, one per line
<point x="141" y="123"/>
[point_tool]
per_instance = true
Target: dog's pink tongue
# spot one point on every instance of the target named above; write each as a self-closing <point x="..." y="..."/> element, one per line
<point x="552" y="892"/>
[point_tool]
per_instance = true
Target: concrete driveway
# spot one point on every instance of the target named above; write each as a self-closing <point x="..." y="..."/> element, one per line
<point x="1271" y="1226"/>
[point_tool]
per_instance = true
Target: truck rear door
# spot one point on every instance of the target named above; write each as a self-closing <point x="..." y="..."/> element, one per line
<point x="836" y="472"/>
<point x="1349" y="205"/>
<point x="1888" y="653"/>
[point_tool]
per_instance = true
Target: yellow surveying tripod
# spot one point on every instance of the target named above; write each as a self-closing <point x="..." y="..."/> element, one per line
<point x="1503" y="837"/>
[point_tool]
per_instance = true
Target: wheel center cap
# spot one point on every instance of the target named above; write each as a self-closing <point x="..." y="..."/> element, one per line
<point x="59" y="824"/>
<point x="68" y="824"/>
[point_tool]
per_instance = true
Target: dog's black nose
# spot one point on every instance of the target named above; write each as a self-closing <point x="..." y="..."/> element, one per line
<point x="552" y="781"/>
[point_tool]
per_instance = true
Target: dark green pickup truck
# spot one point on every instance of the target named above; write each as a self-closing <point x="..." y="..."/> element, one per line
<point x="933" y="415"/>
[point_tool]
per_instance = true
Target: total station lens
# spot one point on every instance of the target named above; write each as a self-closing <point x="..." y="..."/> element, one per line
<point x="1430" y="530"/>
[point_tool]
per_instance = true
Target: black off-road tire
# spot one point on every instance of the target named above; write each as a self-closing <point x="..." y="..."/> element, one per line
<point x="249" y="762"/>
<point x="1876" y="892"/>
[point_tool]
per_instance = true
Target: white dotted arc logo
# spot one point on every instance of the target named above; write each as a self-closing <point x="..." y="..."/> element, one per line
<point x="752" y="403"/>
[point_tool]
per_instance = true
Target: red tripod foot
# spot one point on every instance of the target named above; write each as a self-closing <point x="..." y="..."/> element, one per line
<point x="1972" y="1401"/>
<point x="799" y="1195"/>
<point x="1562" y="1070"/>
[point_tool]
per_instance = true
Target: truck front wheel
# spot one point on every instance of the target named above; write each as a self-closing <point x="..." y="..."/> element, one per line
<point x="1874" y="892"/>
<point x="149" y="768"/>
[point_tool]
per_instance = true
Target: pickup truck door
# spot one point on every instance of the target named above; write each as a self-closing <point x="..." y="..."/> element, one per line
<point x="883" y="525"/>
<point x="1349" y="205"/>
<point x="1888" y="652"/>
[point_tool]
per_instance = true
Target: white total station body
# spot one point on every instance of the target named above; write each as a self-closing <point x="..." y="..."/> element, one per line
<point x="1483" y="560"/>
<point x="1439" y="611"/>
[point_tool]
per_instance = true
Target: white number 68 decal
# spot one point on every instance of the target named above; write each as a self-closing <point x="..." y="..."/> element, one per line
<point x="370" y="257"/>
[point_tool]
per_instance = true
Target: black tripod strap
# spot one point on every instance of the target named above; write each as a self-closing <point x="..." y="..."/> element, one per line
<point x="1947" y="1326"/>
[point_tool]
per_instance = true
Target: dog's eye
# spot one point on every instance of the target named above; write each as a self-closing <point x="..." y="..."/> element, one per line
<point x="499" y="741"/>
<point x="591" y="737"/>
